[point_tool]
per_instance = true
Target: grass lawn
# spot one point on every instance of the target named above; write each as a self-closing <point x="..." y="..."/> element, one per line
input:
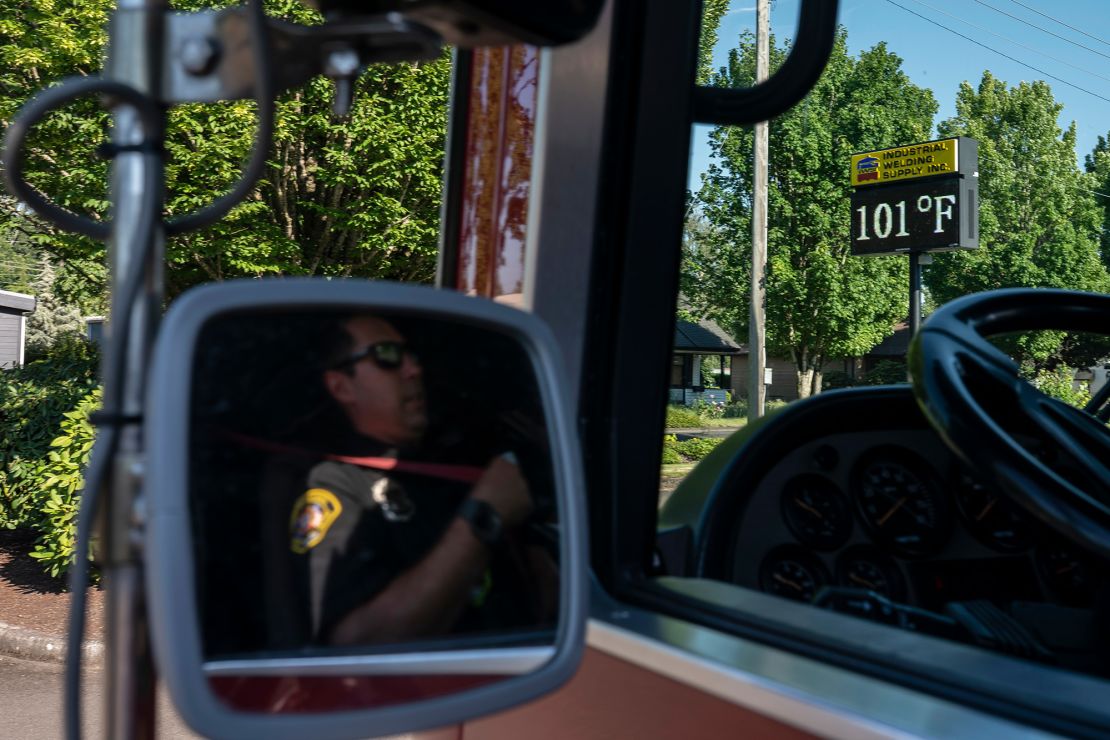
<point x="678" y="470"/>
<point x="734" y="423"/>
<point x="669" y="478"/>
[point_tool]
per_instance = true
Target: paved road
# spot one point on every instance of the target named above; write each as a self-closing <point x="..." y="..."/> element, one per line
<point x="31" y="703"/>
<point x="712" y="432"/>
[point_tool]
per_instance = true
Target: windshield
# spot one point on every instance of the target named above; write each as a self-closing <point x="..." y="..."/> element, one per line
<point x="1018" y="81"/>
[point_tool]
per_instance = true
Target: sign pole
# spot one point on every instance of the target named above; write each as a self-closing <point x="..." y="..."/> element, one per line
<point x="915" y="292"/>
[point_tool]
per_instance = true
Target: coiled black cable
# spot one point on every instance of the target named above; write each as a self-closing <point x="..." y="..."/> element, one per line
<point x="77" y="87"/>
<point x="34" y="111"/>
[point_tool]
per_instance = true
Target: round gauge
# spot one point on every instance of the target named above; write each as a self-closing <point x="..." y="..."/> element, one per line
<point x="816" y="511"/>
<point x="872" y="570"/>
<point x="792" y="572"/>
<point x="993" y="518"/>
<point x="900" y="503"/>
<point x="1069" y="573"/>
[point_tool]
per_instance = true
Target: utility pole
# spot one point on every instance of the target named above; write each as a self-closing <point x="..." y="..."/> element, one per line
<point x="757" y="353"/>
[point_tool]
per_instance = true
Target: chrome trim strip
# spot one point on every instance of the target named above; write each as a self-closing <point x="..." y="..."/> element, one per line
<point x="813" y="696"/>
<point x="499" y="661"/>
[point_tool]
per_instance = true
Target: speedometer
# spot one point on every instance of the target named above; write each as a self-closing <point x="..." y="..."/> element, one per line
<point x="900" y="503"/>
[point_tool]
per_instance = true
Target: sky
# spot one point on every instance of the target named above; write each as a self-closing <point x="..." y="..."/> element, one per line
<point x="1065" y="43"/>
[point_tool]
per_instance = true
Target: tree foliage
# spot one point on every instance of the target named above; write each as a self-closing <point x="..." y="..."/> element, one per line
<point x="1038" y="221"/>
<point x="53" y="320"/>
<point x="353" y="197"/>
<point x="1097" y="165"/>
<point x="821" y="303"/>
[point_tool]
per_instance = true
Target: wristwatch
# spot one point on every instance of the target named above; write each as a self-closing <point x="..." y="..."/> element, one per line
<point x="484" y="521"/>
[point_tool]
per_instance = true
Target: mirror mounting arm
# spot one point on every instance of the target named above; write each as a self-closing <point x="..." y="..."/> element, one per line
<point x="208" y="55"/>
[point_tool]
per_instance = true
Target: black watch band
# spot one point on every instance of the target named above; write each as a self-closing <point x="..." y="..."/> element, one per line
<point x="484" y="521"/>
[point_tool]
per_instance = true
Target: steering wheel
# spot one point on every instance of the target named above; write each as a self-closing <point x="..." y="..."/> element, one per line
<point x="1049" y="457"/>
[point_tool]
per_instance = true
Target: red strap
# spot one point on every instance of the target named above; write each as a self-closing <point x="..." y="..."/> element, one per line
<point x="461" y="473"/>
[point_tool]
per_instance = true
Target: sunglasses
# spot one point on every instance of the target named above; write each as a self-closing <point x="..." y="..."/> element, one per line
<point x="388" y="355"/>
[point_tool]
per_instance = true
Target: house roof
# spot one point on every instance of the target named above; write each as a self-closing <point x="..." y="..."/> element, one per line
<point x="703" y="337"/>
<point x="16" y="301"/>
<point x="896" y="345"/>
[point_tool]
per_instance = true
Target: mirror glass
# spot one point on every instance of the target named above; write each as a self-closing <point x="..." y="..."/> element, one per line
<point x="367" y="483"/>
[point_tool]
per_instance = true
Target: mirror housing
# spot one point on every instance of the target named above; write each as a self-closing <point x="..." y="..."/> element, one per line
<point x="413" y="685"/>
<point x="471" y="23"/>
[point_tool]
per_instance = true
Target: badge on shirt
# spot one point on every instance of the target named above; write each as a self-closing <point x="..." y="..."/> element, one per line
<point x="313" y="515"/>
<point x="395" y="504"/>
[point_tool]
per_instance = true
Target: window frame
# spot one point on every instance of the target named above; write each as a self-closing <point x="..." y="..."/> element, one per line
<point x="653" y="105"/>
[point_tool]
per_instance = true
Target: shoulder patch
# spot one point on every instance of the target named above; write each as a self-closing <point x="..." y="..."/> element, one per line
<point x="313" y="514"/>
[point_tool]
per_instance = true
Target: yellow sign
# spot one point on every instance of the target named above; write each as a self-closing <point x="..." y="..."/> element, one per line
<point x="906" y="163"/>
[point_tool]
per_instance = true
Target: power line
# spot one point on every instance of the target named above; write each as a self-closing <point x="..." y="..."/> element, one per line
<point x="1094" y="192"/>
<point x="1043" y="30"/>
<point x="1065" y="25"/>
<point x="1000" y="53"/>
<point x="1012" y="41"/>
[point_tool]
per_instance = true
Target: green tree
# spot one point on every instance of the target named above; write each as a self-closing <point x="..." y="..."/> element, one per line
<point x="1097" y="165"/>
<point x="822" y="303"/>
<point x="1038" y="222"/>
<point x="711" y="13"/>
<point x="53" y="320"/>
<point x="355" y="197"/>
<point x="19" y="262"/>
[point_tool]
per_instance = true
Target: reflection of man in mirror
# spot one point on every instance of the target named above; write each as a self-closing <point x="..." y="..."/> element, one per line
<point x="397" y="554"/>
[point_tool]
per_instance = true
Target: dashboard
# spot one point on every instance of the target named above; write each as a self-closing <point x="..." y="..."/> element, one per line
<point x="849" y="501"/>
<point x="892" y="511"/>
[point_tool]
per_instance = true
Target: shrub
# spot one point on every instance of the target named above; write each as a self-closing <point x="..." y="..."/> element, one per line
<point x="837" y="379"/>
<point x="709" y="409"/>
<point x="775" y="405"/>
<point x="61" y="478"/>
<point x="679" y="417"/>
<point x="671" y="455"/>
<point x="696" y="448"/>
<point x="33" y="402"/>
<point x="885" y="372"/>
<point x="737" y="409"/>
<point x="41" y="471"/>
<point x="689" y="450"/>
<point x="1058" y="384"/>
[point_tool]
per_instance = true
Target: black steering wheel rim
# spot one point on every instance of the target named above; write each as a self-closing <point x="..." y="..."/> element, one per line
<point x="951" y="362"/>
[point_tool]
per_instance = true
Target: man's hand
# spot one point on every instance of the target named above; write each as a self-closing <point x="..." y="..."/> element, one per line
<point x="503" y="487"/>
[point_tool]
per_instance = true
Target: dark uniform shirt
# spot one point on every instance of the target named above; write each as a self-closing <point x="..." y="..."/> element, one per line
<point x="356" y="528"/>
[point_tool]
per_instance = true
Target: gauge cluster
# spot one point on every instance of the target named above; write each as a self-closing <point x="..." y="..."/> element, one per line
<point x="895" y="513"/>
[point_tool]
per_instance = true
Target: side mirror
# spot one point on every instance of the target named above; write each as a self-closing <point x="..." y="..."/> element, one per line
<point x="470" y="23"/>
<point x="365" y="509"/>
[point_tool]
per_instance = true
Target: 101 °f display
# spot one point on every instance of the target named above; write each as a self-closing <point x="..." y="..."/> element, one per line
<point x="924" y="216"/>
